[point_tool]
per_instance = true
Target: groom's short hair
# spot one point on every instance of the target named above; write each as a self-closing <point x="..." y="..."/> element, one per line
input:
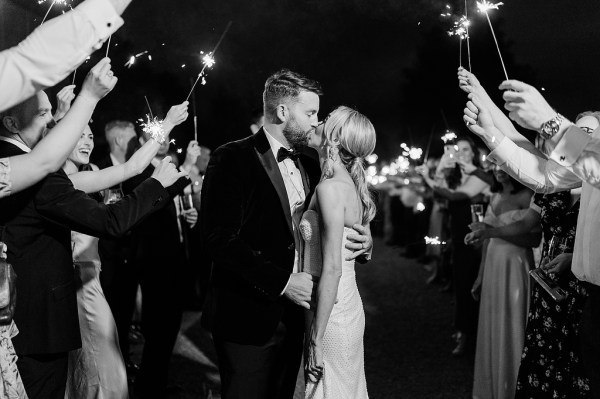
<point x="285" y="85"/>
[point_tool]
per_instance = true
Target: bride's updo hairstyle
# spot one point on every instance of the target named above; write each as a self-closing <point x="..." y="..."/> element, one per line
<point x="350" y="136"/>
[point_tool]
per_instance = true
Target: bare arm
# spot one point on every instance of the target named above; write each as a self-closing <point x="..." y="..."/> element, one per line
<point x="469" y="83"/>
<point x="332" y="229"/>
<point x="94" y="181"/>
<point x="51" y="152"/>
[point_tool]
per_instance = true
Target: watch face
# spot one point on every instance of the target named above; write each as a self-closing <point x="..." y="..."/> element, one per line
<point x="550" y="128"/>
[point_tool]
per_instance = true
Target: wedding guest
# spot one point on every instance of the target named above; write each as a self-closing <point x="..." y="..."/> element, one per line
<point x="504" y="279"/>
<point x="158" y="258"/>
<point x="461" y="190"/>
<point x="572" y="161"/>
<point x="37" y="224"/>
<point x="21" y="171"/>
<point x="551" y="359"/>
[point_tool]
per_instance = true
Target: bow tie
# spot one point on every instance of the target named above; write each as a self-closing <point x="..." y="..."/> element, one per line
<point x="285" y="153"/>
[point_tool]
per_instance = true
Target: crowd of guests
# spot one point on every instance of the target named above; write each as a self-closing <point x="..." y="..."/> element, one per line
<point x="63" y="220"/>
<point x="500" y="216"/>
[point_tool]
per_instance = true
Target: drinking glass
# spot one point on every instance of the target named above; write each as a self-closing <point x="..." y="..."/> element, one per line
<point x="477" y="213"/>
<point x="113" y="195"/>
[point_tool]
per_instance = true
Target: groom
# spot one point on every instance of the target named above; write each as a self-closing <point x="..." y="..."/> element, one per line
<point x="253" y="197"/>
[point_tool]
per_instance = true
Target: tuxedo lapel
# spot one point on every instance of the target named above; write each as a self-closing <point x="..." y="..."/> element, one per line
<point x="266" y="158"/>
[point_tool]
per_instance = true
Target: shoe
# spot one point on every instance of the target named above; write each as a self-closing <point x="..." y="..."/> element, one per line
<point x="461" y="344"/>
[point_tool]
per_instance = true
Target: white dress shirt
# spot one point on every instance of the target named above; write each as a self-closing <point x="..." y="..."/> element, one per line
<point x="54" y="50"/>
<point x="580" y="166"/>
<point x="292" y="179"/>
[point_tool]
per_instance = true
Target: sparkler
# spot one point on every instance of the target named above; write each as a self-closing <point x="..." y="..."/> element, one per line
<point x="466" y="25"/>
<point x="434" y="241"/>
<point x="420" y="207"/>
<point x="63" y="2"/>
<point x="449" y="136"/>
<point x="484" y="6"/>
<point x="152" y="126"/>
<point x="413" y="153"/>
<point x="461" y="29"/>
<point x="149" y="108"/>
<point x="132" y="59"/>
<point x="208" y="60"/>
<point x="108" y="45"/>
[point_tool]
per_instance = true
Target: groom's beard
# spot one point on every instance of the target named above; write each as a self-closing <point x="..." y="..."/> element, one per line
<point x="296" y="137"/>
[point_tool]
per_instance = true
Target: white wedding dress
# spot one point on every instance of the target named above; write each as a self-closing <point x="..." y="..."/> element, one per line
<point x="343" y="349"/>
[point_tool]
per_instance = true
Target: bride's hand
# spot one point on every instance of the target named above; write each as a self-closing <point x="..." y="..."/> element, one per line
<point x="314" y="362"/>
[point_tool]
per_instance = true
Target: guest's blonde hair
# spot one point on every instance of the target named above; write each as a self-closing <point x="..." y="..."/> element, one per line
<point x="351" y="136"/>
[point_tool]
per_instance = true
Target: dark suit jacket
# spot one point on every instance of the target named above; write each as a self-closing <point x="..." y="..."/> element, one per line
<point x="37" y="229"/>
<point x="246" y="226"/>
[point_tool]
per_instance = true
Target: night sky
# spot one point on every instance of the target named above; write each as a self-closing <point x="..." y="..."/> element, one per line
<point x="391" y="59"/>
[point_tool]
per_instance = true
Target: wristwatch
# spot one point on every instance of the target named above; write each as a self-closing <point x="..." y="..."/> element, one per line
<point x="551" y="127"/>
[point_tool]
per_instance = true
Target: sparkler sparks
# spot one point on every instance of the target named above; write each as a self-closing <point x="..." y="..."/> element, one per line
<point x="59" y="2"/>
<point x="434" y="241"/>
<point x="420" y="207"/>
<point x="413" y="153"/>
<point x="208" y="60"/>
<point x="132" y="59"/>
<point x="152" y="126"/>
<point x="484" y="6"/>
<point x="449" y="136"/>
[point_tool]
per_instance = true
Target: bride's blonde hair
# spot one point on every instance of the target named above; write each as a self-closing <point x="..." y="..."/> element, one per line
<point x="350" y="136"/>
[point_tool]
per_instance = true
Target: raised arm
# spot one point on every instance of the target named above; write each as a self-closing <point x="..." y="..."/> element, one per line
<point x="94" y="181"/>
<point x="56" y="48"/>
<point x="51" y="152"/>
<point x="538" y="173"/>
<point x="58" y="201"/>
<point x="469" y="83"/>
<point x="329" y="200"/>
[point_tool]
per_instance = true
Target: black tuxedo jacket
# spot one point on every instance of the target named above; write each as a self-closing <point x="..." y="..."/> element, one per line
<point x="158" y="235"/>
<point x="246" y="227"/>
<point x="37" y="229"/>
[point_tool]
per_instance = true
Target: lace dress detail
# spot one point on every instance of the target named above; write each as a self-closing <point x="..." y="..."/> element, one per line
<point x="343" y="349"/>
<point x="5" y="183"/>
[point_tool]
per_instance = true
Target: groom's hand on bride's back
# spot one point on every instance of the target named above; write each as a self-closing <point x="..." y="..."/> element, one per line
<point x="361" y="244"/>
<point x="301" y="289"/>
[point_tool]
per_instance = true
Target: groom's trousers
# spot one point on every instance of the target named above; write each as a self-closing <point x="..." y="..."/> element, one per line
<point x="266" y="371"/>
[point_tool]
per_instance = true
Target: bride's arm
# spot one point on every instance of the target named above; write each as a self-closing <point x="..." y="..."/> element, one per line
<point x="332" y="230"/>
<point x="91" y="182"/>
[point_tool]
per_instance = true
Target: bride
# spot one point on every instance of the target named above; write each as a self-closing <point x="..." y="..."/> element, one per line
<point x="334" y="355"/>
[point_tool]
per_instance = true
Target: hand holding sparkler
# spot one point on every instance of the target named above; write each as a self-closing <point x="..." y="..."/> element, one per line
<point x="64" y="98"/>
<point x="177" y="115"/>
<point x="526" y="105"/>
<point x="191" y="155"/>
<point x="99" y="81"/>
<point x="479" y="120"/>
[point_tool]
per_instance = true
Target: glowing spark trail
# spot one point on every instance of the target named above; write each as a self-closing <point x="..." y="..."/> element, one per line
<point x="449" y="136"/>
<point x="153" y="126"/>
<point x="434" y="241"/>
<point x="483" y="7"/>
<point x="62" y="2"/>
<point x="209" y="59"/>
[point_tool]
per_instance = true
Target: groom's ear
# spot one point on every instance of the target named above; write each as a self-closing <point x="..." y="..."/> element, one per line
<point x="283" y="113"/>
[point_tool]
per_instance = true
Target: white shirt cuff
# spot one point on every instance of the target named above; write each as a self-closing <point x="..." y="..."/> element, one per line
<point x="286" y="285"/>
<point x="570" y="146"/>
<point x="502" y="153"/>
<point x="103" y="17"/>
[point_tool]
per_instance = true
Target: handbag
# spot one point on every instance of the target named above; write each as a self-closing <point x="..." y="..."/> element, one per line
<point x="8" y="288"/>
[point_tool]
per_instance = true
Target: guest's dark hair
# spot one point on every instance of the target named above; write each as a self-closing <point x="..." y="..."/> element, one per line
<point x="453" y="177"/>
<point x="517" y="185"/>
<point x="286" y="85"/>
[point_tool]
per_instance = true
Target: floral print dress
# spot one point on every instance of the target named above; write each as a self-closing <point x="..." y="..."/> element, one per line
<point x="550" y="363"/>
